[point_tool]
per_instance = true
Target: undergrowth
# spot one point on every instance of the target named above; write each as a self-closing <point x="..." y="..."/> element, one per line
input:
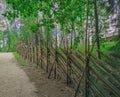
<point x="19" y="58"/>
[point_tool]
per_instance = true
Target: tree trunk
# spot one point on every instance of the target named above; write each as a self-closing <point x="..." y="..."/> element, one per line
<point x="96" y="28"/>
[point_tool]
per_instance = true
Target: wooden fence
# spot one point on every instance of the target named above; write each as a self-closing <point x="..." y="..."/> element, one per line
<point x="100" y="78"/>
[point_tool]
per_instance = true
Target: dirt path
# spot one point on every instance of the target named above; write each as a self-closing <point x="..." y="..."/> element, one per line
<point x="13" y="81"/>
<point x="28" y="81"/>
<point x="46" y="87"/>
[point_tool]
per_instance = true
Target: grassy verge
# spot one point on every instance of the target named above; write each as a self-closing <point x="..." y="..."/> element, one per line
<point x="19" y="58"/>
<point x="104" y="47"/>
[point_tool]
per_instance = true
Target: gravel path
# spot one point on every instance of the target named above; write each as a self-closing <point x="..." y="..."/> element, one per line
<point x="13" y="80"/>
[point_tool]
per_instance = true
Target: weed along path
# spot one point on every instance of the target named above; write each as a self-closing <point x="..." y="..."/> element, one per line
<point x="28" y="81"/>
<point x="13" y="80"/>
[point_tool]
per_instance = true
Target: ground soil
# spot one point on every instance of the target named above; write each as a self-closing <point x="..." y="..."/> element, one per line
<point x="28" y="80"/>
<point x="13" y="80"/>
<point x="46" y="87"/>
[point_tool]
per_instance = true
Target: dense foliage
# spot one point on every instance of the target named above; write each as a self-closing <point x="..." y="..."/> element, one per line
<point x="67" y="16"/>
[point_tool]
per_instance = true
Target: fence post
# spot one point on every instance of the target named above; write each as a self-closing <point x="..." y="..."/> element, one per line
<point x="68" y="66"/>
<point x="48" y="51"/>
<point x="41" y="45"/>
<point x="87" y="77"/>
<point x="36" y="43"/>
<point x="68" y="69"/>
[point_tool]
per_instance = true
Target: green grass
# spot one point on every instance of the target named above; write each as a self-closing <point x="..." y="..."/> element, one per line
<point x="19" y="58"/>
<point x="104" y="47"/>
